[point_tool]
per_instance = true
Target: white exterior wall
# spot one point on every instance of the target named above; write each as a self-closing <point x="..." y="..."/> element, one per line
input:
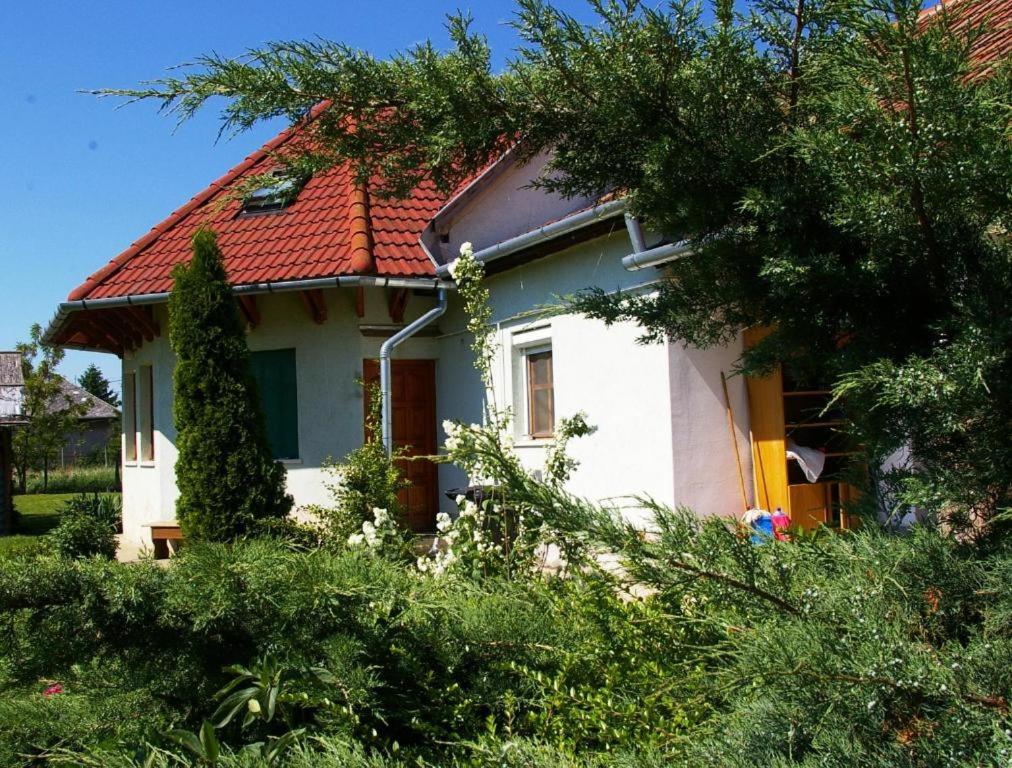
<point x="622" y="386"/>
<point x="659" y="408"/>
<point x="330" y="408"/>
<point x="703" y="454"/>
<point x="508" y="206"/>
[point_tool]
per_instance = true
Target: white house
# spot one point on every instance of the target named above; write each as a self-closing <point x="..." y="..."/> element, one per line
<point x="325" y="276"/>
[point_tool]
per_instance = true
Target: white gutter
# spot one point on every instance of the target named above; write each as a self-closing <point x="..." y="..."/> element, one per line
<point x="655" y="257"/>
<point x="632" y="225"/>
<point x="642" y="257"/>
<point x="386" y="428"/>
<point x="343" y="281"/>
<point x="547" y="232"/>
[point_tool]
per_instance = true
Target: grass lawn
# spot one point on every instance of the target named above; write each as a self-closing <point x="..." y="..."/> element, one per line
<point x="39" y="512"/>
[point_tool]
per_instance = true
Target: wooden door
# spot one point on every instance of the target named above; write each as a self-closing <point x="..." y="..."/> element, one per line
<point x="413" y="411"/>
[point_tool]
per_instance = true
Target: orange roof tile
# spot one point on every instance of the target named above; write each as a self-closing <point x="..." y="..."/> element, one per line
<point x="995" y="45"/>
<point x="315" y="236"/>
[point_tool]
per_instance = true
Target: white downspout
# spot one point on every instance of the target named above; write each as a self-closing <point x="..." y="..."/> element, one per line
<point x="386" y="421"/>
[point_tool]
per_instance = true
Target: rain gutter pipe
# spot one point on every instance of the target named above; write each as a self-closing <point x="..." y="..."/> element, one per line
<point x="547" y="232"/>
<point x="342" y="281"/>
<point x="642" y="257"/>
<point x="655" y="257"/>
<point x="386" y="350"/>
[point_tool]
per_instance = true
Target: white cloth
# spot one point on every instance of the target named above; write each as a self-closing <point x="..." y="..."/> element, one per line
<point x="811" y="461"/>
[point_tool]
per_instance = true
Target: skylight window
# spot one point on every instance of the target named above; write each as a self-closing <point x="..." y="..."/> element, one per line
<point x="274" y="196"/>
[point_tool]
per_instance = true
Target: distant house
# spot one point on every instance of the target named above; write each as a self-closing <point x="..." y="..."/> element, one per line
<point x="96" y="426"/>
<point x="11" y="413"/>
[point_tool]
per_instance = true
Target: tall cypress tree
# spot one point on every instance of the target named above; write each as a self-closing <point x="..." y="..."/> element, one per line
<point x="226" y="476"/>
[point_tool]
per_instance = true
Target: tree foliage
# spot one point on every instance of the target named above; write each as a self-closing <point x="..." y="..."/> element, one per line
<point x="51" y="414"/>
<point x="226" y="476"/>
<point x="93" y="381"/>
<point x="840" y="168"/>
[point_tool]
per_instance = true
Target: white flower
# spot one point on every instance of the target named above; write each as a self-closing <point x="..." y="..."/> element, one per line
<point x="466" y="249"/>
<point x="369" y="533"/>
<point x="355" y="540"/>
<point x="380" y="515"/>
<point x="254" y="706"/>
<point x="443" y="522"/>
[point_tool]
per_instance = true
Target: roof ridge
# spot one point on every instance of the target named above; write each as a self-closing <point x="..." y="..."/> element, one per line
<point x="184" y="210"/>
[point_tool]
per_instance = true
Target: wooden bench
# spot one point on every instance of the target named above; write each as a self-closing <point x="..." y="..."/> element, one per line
<point x="166" y="537"/>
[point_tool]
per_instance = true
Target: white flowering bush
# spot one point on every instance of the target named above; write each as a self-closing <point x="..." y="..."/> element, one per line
<point x="381" y="535"/>
<point x="493" y="533"/>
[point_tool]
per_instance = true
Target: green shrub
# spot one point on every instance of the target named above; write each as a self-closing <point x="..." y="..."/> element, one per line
<point x="294" y="533"/>
<point x="225" y="473"/>
<point x="367" y="479"/>
<point x="88" y="527"/>
<point x="76" y="718"/>
<point x="81" y="535"/>
<point x="863" y="649"/>
<point x="106" y="508"/>
<point x="22" y="547"/>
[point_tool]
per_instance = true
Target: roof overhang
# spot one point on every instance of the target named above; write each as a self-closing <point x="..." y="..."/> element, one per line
<point x="119" y="323"/>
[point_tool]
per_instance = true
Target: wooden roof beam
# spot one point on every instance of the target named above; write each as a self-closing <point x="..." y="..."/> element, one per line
<point x="315" y="305"/>
<point x="250" y="310"/>
<point x="397" y="303"/>
<point x="145" y="319"/>
<point x="117" y="328"/>
<point x="97" y="335"/>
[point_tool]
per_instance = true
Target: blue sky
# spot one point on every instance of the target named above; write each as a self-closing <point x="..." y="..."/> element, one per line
<point x="84" y="179"/>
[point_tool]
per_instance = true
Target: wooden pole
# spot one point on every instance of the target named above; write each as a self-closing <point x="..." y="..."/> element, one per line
<point x="734" y="440"/>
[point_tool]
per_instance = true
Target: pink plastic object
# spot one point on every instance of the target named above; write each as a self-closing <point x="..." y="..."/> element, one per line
<point x="781" y="522"/>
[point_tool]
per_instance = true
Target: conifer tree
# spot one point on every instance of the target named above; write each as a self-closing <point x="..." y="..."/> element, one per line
<point x="226" y="476"/>
<point x="93" y="381"/>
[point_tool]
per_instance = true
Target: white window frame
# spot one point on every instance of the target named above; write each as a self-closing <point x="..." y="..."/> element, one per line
<point x="146" y="414"/>
<point x="527" y="341"/>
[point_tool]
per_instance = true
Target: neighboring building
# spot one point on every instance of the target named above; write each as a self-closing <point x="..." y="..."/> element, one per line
<point x="12" y="386"/>
<point x="325" y="274"/>
<point x="96" y="426"/>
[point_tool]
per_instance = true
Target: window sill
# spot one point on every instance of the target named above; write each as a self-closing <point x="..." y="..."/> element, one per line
<point x="147" y="464"/>
<point x="290" y="462"/>
<point x="130" y="463"/>
<point x="534" y="442"/>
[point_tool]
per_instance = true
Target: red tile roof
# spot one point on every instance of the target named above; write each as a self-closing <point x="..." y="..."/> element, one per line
<point x="995" y="45"/>
<point x="315" y="236"/>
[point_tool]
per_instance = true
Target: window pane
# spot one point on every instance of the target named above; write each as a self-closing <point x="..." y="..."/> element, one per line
<point x="274" y="371"/>
<point x="540" y="394"/>
<point x="541" y="368"/>
<point x="542" y="412"/>
<point x="130" y="417"/>
<point x="146" y="413"/>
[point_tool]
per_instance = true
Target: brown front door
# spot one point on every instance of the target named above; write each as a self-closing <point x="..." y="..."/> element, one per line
<point x="413" y="406"/>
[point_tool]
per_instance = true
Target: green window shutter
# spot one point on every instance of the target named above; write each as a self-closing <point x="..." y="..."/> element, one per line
<point x="274" y="371"/>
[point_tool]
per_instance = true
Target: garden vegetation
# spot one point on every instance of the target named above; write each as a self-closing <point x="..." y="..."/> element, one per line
<point x="843" y="174"/>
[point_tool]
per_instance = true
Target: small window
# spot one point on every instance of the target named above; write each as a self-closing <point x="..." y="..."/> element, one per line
<point x="146" y="413"/>
<point x="272" y="197"/>
<point x="130" y="416"/>
<point x="274" y="371"/>
<point x="540" y="394"/>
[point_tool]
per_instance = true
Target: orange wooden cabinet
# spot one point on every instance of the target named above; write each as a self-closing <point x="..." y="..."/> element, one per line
<point x="781" y="411"/>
